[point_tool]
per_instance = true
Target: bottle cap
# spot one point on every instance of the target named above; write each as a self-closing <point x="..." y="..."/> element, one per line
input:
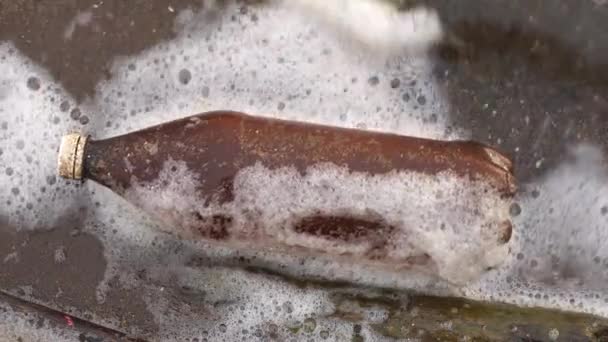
<point x="71" y="156"/>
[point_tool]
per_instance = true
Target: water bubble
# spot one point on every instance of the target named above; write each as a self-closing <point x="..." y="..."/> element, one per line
<point x="184" y="76"/>
<point x="421" y="100"/>
<point x="309" y="325"/>
<point x="405" y="97"/>
<point x="84" y="120"/>
<point x="75" y="114"/>
<point x="20" y="144"/>
<point x="9" y="171"/>
<point x="33" y="83"/>
<point x="223" y="328"/>
<point x="15" y="191"/>
<point x="514" y="209"/>
<point x="535" y="193"/>
<point x="281" y="106"/>
<point x="205" y="91"/>
<point x="50" y="180"/>
<point x="604" y="210"/>
<point x="373" y="81"/>
<point x="131" y="66"/>
<point x="4" y="125"/>
<point x="288" y="307"/>
<point x="395" y="83"/>
<point x="324" y="334"/>
<point x="64" y="106"/>
<point x="553" y="334"/>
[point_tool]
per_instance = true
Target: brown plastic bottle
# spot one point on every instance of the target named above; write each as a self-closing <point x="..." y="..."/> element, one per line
<point x="245" y="181"/>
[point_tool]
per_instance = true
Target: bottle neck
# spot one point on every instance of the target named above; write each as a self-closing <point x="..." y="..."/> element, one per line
<point x="81" y="157"/>
<point x="107" y="162"/>
<point x="208" y="145"/>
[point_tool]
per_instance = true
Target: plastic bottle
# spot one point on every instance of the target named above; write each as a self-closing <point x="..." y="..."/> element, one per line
<point x="245" y="181"/>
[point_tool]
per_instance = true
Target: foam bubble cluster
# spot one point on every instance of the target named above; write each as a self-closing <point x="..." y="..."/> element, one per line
<point x="31" y="124"/>
<point x="22" y="326"/>
<point x="559" y="257"/>
<point x="271" y="61"/>
<point x="389" y="33"/>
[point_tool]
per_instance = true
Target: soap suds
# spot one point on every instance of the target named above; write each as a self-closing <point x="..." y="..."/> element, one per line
<point x="386" y="31"/>
<point x="455" y="221"/>
<point x="23" y="326"/>
<point x="559" y="257"/>
<point x="31" y="196"/>
<point x="232" y="62"/>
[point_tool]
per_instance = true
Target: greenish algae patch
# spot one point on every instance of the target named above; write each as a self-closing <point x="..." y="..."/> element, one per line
<point x="453" y="319"/>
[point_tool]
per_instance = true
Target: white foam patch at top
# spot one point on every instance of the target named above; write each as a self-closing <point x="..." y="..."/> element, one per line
<point x="271" y="61"/>
<point x="455" y="221"/>
<point x="376" y="25"/>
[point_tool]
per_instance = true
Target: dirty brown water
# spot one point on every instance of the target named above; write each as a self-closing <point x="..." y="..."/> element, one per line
<point x="527" y="76"/>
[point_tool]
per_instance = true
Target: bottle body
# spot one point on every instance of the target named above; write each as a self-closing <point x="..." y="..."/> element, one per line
<point x="383" y="199"/>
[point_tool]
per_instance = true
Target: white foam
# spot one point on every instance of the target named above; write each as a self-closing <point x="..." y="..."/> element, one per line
<point x="31" y="124"/>
<point x="455" y="221"/>
<point x="23" y="326"/>
<point x="280" y="64"/>
<point x="559" y="257"/>
<point x="273" y="301"/>
<point x="386" y="31"/>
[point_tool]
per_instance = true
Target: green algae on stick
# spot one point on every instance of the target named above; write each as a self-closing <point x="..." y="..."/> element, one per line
<point x="391" y="201"/>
